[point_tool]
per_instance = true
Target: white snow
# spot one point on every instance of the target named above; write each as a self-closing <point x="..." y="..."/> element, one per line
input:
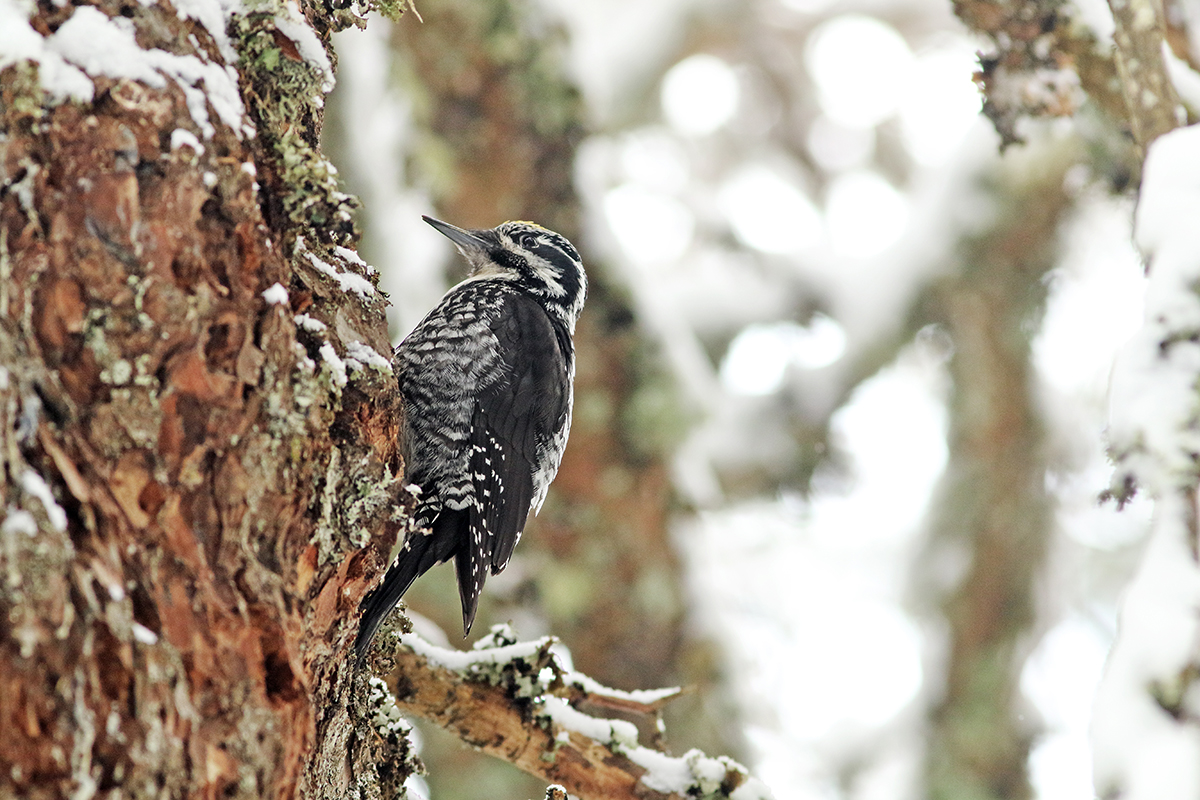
<point x="460" y="660"/>
<point x="348" y="281"/>
<point x="616" y="733"/>
<point x="1155" y="408"/>
<point x="90" y="43"/>
<point x="33" y="484"/>
<point x="310" y="324"/>
<point x="181" y="137"/>
<point x="276" y="294"/>
<point x="213" y="15"/>
<point x="291" y="23"/>
<point x="1141" y="751"/>
<point x="20" y="42"/>
<point x="365" y="354"/>
<point x="103" y="46"/>
<point x="18" y="520"/>
<point x="143" y="634"/>
<point x="644" y="696"/>
<point x="337" y="367"/>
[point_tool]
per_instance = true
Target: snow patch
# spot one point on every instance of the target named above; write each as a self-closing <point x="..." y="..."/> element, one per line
<point x="310" y="324"/>
<point x="366" y="355"/>
<point x="214" y="16"/>
<point x="143" y="634"/>
<point x="103" y="46"/>
<point x="90" y="44"/>
<point x="276" y="295"/>
<point x="292" y="24"/>
<point x="354" y="258"/>
<point x="18" y="520"/>
<point x="181" y="137"/>
<point x="348" y="281"/>
<point x="336" y="366"/>
<point x="20" y="42"/>
<point x="33" y="484"/>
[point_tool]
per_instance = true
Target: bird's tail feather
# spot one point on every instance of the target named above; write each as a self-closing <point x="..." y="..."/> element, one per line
<point x="423" y="550"/>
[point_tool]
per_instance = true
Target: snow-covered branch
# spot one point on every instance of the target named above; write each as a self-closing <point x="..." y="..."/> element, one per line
<point x="1147" y="720"/>
<point x="516" y="701"/>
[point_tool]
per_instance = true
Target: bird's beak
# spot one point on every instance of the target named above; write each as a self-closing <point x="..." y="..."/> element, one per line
<point x="466" y="241"/>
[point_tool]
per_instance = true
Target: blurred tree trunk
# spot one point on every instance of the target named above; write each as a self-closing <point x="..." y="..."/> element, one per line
<point x="995" y="516"/>
<point x="187" y="478"/>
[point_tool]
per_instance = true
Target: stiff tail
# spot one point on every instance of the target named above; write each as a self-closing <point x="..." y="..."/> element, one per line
<point x="421" y="551"/>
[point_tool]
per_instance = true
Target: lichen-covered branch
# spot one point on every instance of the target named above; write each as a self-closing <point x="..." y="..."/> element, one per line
<point x="1041" y="63"/>
<point x="513" y="700"/>
<point x="1149" y="94"/>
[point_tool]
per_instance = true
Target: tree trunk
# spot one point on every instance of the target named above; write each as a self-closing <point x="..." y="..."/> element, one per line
<point x="189" y="477"/>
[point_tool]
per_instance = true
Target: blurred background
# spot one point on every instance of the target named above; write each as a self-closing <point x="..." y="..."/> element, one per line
<point x="838" y="441"/>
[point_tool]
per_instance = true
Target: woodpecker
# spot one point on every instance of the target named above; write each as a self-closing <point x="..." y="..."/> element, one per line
<point x="487" y="380"/>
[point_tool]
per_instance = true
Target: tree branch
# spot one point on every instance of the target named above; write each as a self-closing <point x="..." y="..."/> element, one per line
<point x="1149" y="93"/>
<point x="515" y="701"/>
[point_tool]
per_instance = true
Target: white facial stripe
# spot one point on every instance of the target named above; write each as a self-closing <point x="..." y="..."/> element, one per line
<point x="548" y="275"/>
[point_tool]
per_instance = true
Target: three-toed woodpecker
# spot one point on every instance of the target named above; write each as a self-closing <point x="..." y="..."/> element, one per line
<point x="487" y="380"/>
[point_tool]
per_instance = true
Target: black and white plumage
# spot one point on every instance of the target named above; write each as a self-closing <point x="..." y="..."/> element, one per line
<point x="487" y="380"/>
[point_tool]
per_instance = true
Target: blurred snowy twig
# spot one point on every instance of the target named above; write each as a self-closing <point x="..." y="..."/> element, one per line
<point x="1146" y="728"/>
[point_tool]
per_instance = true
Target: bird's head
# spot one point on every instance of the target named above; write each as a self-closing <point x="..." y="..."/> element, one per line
<point x="543" y="262"/>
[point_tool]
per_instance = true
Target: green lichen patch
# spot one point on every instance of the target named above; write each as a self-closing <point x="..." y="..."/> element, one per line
<point x="285" y="96"/>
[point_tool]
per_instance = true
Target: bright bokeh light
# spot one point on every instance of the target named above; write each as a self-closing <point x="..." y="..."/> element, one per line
<point x="836" y="146"/>
<point x="769" y="213"/>
<point x="759" y="356"/>
<point x="1060" y="678"/>
<point x="1060" y="768"/>
<point x="861" y="66"/>
<point x="1095" y="302"/>
<point x="699" y="94"/>
<point x="840" y="682"/>
<point x="653" y="158"/>
<point x="894" y="429"/>
<point x="864" y="213"/>
<point x="1062" y="674"/>
<point x="941" y="105"/>
<point x="652" y="228"/>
